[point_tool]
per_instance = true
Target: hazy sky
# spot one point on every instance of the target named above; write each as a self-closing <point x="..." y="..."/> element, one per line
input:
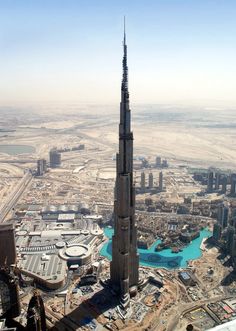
<point x="179" y="51"/>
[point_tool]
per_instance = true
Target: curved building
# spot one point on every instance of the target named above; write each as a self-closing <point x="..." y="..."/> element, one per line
<point x="76" y="254"/>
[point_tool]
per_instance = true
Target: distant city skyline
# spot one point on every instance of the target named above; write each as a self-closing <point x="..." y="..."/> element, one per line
<point x="180" y="51"/>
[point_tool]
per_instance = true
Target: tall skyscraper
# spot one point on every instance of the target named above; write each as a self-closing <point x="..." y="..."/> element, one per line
<point x="150" y="180"/>
<point x="158" y="161"/>
<point x="161" y="181"/>
<point x="230" y="238"/>
<point x="7" y="245"/>
<point x="224" y="184"/>
<point x="217" y="181"/>
<point x="54" y="158"/>
<point x="223" y="215"/>
<point x="233" y="184"/>
<point x="9" y="293"/>
<point x="41" y="167"/>
<point x="142" y="183"/>
<point x="125" y="259"/>
<point x="210" y="182"/>
<point x="217" y="231"/>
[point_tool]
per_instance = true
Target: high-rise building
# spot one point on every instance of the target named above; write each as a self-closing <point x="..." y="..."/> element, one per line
<point x="233" y="217"/>
<point x="124" y="268"/>
<point x="223" y="215"/>
<point x="224" y="184"/>
<point x="44" y="165"/>
<point x="233" y="252"/>
<point x="158" y="162"/>
<point x="7" y="245"/>
<point x="54" y="158"/>
<point x="164" y="164"/>
<point x="217" y="181"/>
<point x="161" y="181"/>
<point x="233" y="184"/>
<point x="142" y="184"/>
<point x="150" y="180"/>
<point x="230" y="238"/>
<point x="210" y="181"/>
<point x="9" y="293"/>
<point x="40" y="167"/>
<point x="217" y="231"/>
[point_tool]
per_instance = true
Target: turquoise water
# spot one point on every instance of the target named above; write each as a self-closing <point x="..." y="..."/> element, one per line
<point x="17" y="149"/>
<point x="165" y="258"/>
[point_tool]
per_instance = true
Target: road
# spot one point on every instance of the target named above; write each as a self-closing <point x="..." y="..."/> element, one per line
<point x="15" y="195"/>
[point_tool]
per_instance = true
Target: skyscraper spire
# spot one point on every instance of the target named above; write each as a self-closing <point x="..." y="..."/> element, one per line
<point x="124" y="32"/>
<point x="125" y="258"/>
<point x="125" y="67"/>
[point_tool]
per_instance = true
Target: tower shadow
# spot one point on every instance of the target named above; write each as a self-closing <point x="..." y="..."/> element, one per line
<point x="228" y="279"/>
<point x="88" y="310"/>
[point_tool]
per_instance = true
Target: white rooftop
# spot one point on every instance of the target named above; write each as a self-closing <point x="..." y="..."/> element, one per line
<point x="66" y="217"/>
<point x="229" y="326"/>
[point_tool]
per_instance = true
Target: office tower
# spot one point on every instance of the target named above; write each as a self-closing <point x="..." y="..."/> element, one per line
<point x="210" y="181"/>
<point x="233" y="252"/>
<point x="217" y="231"/>
<point x="224" y="184"/>
<point x="164" y="164"/>
<point x="9" y="293"/>
<point x="233" y="217"/>
<point x="230" y="239"/>
<point x="44" y="165"/>
<point x="158" y="161"/>
<point x="232" y="184"/>
<point x="220" y="213"/>
<point x="142" y="184"/>
<point x="150" y="180"/>
<point x="40" y="168"/>
<point x="223" y="215"/>
<point x="145" y="163"/>
<point x="217" y="181"/>
<point x="161" y="181"/>
<point x="54" y="158"/>
<point x="125" y="259"/>
<point x="7" y="245"/>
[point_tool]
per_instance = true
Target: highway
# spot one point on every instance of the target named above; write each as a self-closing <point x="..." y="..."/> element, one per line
<point x="15" y="195"/>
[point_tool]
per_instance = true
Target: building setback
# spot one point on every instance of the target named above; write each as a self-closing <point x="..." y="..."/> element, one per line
<point x="125" y="259"/>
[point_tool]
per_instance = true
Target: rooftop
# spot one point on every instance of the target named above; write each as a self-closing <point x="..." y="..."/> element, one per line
<point x="229" y="326"/>
<point x="52" y="269"/>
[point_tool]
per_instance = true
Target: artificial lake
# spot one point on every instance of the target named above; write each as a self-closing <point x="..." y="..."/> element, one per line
<point x="165" y="258"/>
